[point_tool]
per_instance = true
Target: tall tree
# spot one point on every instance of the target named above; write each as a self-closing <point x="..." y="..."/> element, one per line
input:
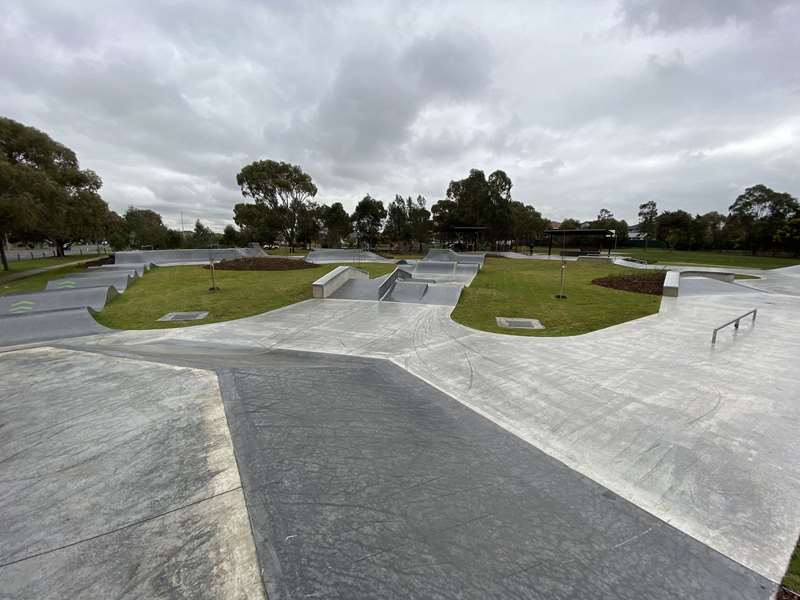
<point x="367" y="219"/>
<point x="282" y="187"/>
<point x="408" y="221"/>
<point x="145" y="228"/>
<point x="44" y="195"/>
<point x="257" y="223"/>
<point x="419" y="221"/>
<point x="231" y="236"/>
<point x="337" y="224"/>
<point x="203" y="237"/>
<point x="647" y="218"/>
<point x="309" y="223"/>
<point x="675" y="228"/>
<point x="757" y="215"/>
<point x="445" y="220"/>
<point x="527" y="224"/>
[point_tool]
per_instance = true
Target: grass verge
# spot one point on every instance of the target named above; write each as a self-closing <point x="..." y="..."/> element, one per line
<point x="241" y="294"/>
<point x="37" y="263"/>
<point x="526" y="288"/>
<point x="791" y="580"/>
<point x="714" y="259"/>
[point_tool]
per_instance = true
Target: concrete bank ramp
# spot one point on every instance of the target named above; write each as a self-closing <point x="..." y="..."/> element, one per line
<point x="50" y="300"/>
<point x="99" y="275"/>
<point x="138" y="268"/>
<point x="446" y="272"/>
<point x="323" y="256"/>
<point x="442" y="255"/>
<point x="50" y="325"/>
<point x="188" y="256"/>
<point x="698" y="285"/>
<point x="64" y="308"/>
<point x="118" y="281"/>
<point x="397" y="286"/>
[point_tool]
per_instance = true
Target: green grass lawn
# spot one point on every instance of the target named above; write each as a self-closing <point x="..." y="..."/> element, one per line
<point x="792" y="578"/>
<point x="36" y="283"/>
<point x="241" y="294"/>
<point x="522" y="288"/>
<point x="37" y="263"/>
<point x="718" y="259"/>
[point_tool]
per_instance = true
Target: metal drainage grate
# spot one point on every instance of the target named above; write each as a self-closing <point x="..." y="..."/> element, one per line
<point x="517" y="323"/>
<point x="185" y="316"/>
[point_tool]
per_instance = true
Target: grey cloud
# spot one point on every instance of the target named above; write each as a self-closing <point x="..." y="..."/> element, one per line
<point x="167" y="101"/>
<point x="552" y="166"/>
<point x="671" y="15"/>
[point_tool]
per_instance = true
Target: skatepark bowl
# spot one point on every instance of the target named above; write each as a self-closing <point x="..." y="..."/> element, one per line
<point x="361" y="444"/>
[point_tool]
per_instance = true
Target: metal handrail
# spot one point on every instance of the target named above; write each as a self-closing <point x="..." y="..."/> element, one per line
<point x="754" y="312"/>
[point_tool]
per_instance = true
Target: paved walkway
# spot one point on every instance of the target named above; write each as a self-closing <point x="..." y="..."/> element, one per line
<point x="31" y="272"/>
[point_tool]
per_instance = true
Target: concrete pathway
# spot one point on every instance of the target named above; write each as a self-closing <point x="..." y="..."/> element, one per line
<point x="8" y="278"/>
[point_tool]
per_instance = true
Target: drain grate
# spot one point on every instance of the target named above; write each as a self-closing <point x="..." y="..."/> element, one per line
<point x="518" y="323"/>
<point x="185" y="316"/>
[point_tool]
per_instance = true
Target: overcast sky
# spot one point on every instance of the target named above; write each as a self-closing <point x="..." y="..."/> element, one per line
<point x="585" y="105"/>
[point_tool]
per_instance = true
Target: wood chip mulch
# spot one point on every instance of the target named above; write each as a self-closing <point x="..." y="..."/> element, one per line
<point x="106" y="260"/>
<point x="645" y="283"/>
<point x="784" y="594"/>
<point x="262" y="264"/>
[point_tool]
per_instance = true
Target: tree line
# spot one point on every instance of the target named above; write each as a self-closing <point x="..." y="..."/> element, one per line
<point x="478" y="210"/>
<point x="45" y="196"/>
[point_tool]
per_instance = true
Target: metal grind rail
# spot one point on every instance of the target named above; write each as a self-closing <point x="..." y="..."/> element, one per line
<point x="735" y="323"/>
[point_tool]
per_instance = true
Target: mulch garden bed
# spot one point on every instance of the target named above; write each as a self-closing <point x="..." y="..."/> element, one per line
<point x="644" y="283"/>
<point x="784" y="594"/>
<point x="262" y="264"/>
<point x="98" y="262"/>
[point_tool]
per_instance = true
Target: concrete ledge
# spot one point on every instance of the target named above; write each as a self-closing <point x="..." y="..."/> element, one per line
<point x="328" y="284"/>
<point x="672" y="283"/>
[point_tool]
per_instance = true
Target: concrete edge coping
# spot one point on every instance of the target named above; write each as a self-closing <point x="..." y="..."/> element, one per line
<point x="330" y="282"/>
<point x="672" y="281"/>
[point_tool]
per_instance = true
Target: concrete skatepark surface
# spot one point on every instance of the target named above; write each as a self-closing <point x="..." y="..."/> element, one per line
<point x="684" y="435"/>
<point x="399" y="286"/>
<point x="322" y="256"/>
<point x="443" y="255"/>
<point x="118" y="479"/>
<point x="369" y="483"/>
<point x="188" y="256"/>
<point x="117" y="280"/>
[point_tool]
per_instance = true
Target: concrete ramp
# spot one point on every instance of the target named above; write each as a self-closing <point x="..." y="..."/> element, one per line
<point x="407" y="291"/>
<point x="35" y="302"/>
<point x="50" y="325"/>
<point x="98" y="275"/>
<point x="138" y="268"/>
<point x="119" y="281"/>
<point x="442" y="255"/>
<point x="324" y="256"/>
<point x="697" y="285"/>
<point x="397" y="286"/>
<point x="188" y="256"/>
<point x="435" y="267"/>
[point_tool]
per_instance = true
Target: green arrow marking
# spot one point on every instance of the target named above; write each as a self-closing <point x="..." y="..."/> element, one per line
<point x="67" y="283"/>
<point x="21" y="306"/>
